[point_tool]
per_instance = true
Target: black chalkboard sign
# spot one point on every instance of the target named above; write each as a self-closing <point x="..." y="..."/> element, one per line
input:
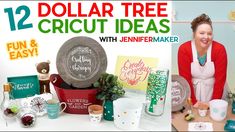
<point x="80" y="61"/>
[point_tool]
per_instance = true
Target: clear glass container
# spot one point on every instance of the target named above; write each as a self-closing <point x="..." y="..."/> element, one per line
<point x="9" y="107"/>
<point x="26" y="117"/>
<point x="156" y="91"/>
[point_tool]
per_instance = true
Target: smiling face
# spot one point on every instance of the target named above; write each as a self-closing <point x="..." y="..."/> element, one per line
<point x="203" y="36"/>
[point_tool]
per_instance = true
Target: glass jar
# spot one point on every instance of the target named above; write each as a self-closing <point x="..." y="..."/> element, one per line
<point x="26" y="117"/>
<point x="9" y="107"/>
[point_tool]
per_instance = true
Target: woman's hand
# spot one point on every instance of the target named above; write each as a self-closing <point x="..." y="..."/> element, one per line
<point x="196" y="104"/>
<point x="201" y="104"/>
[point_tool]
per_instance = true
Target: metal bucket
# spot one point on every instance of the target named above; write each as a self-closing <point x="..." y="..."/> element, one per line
<point x="77" y="100"/>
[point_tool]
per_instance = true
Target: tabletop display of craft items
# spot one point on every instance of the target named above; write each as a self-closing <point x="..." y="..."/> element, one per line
<point x="82" y="87"/>
<point x="217" y="107"/>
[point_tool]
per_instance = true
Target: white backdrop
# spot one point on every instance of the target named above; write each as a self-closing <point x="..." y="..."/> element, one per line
<point x="49" y="44"/>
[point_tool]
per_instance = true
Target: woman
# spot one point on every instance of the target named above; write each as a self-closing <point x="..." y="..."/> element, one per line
<point x="203" y="62"/>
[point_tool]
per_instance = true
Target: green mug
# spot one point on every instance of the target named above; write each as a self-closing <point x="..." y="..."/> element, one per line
<point x="54" y="108"/>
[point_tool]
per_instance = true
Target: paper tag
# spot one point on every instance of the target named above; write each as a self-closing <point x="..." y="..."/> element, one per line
<point x="200" y="126"/>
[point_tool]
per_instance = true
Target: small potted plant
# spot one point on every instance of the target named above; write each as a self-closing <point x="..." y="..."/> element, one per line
<point x="109" y="90"/>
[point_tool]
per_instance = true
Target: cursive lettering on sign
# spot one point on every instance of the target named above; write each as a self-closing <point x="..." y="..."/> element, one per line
<point x="134" y="72"/>
<point x="81" y="59"/>
<point x="77" y="67"/>
<point x="23" y="86"/>
<point x="176" y="93"/>
<point x="81" y="62"/>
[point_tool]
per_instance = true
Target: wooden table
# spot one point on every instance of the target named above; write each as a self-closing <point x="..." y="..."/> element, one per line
<point x="182" y="125"/>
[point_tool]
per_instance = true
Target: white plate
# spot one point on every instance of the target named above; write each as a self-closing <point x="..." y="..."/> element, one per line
<point x="180" y="91"/>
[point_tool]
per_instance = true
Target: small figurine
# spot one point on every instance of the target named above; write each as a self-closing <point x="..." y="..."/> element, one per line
<point x="43" y="69"/>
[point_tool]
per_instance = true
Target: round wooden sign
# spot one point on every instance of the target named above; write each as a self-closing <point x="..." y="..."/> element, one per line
<point x="180" y="92"/>
<point x="80" y="61"/>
